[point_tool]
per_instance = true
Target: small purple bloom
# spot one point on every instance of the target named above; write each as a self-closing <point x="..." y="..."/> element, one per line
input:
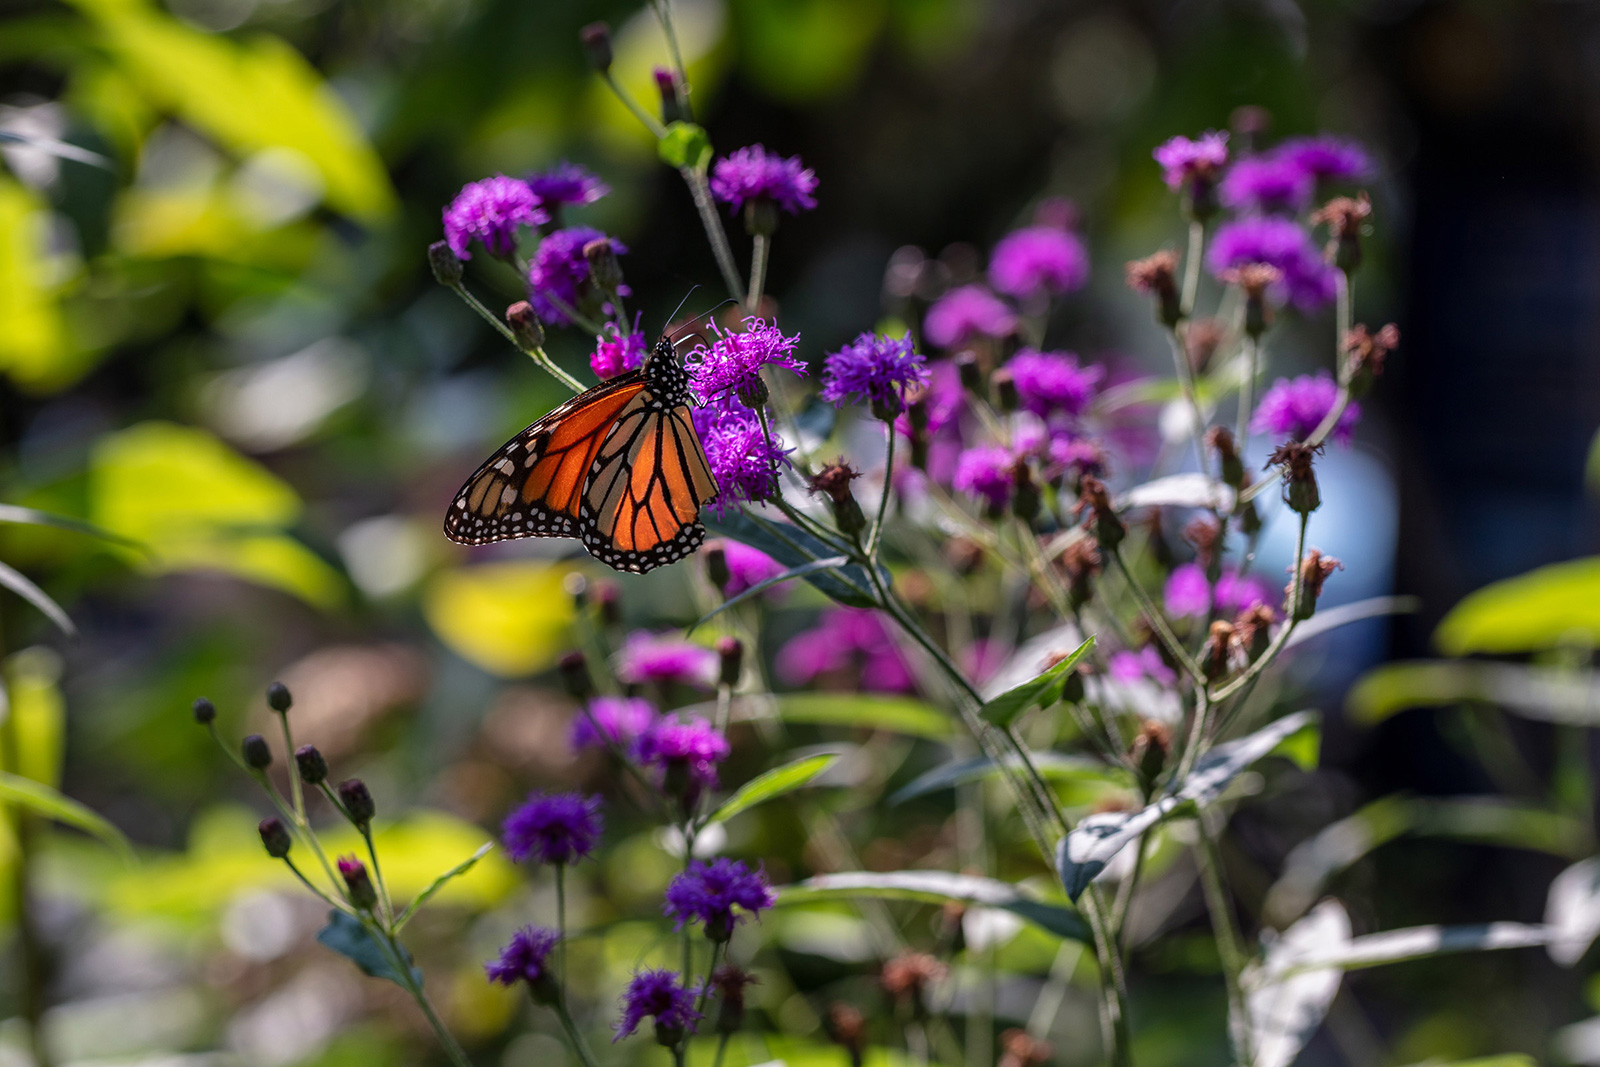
<point x="709" y="892"/>
<point x="1266" y="184"/>
<point x="945" y="399"/>
<point x="1326" y="158"/>
<point x="1188" y="593"/>
<point x="873" y="368"/>
<point x="1307" y="281"/>
<point x="553" y="828"/>
<point x="965" y="311"/>
<point x="658" y="995"/>
<point x="1039" y="260"/>
<point x="616" y="353"/>
<point x="1077" y="456"/>
<point x="691" y="746"/>
<point x="742" y="461"/>
<point x="612" y="720"/>
<point x="987" y="472"/>
<point x="523" y="958"/>
<point x="566" y="183"/>
<point x="755" y="174"/>
<point x="560" y="273"/>
<point x="491" y="210"/>
<point x="732" y="363"/>
<point x="1053" y="382"/>
<point x="1181" y="158"/>
<point x="1236" y="592"/>
<point x="1295" y="407"/>
<point x="664" y="659"/>
<point x="846" y="637"/>
<point x="1127" y="666"/>
<point x="749" y="567"/>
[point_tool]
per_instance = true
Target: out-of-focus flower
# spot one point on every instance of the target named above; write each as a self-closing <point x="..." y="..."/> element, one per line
<point x="566" y="183"/>
<point x="1038" y="261"/>
<point x="664" y="659"/>
<point x="965" y="312"/>
<point x="1295" y="407"/>
<point x="1188" y="593"/>
<point x="753" y="173"/>
<point x="1073" y="456"/>
<point x="616" y="352"/>
<point x="490" y="211"/>
<point x="1050" y="383"/>
<point x="1236" y="593"/>
<point x="616" y="721"/>
<point x="523" y="958"/>
<point x="657" y="995"/>
<point x="876" y="369"/>
<point x="1125" y="666"/>
<point x="1182" y="159"/>
<point x="749" y="567"/>
<point x="844" y="638"/>
<point x="1267" y="184"/>
<point x="983" y="658"/>
<point x="709" y="893"/>
<point x="732" y="363"/>
<point x="553" y="828"/>
<point x="560" y="272"/>
<point x="686" y="751"/>
<point x="943" y="399"/>
<point x="1306" y="280"/>
<point x="988" y="473"/>
<point x="1326" y="158"/>
<point x="743" y="462"/>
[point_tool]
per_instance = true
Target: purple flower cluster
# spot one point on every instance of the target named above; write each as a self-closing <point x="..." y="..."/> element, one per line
<point x="523" y="958"/>
<point x="1039" y="261"/>
<point x="657" y="995"/>
<point x="491" y="211"/>
<point x="1285" y="179"/>
<point x="709" y="892"/>
<point x="743" y="462"/>
<point x="559" y="273"/>
<point x="1125" y="666"/>
<point x="1181" y="158"/>
<point x="1326" y="158"/>
<point x="616" y="721"/>
<point x="749" y="567"/>
<point x="1053" y="383"/>
<point x="987" y="472"/>
<point x="553" y="828"/>
<point x="689" y="746"/>
<point x="616" y="352"/>
<point x="1189" y="595"/>
<point x="753" y="173"/>
<point x="665" y="659"/>
<point x="844" y="638"/>
<point x="1306" y="280"/>
<point x="876" y="369"/>
<point x="732" y="363"/>
<point x="566" y="183"/>
<point x="965" y="312"/>
<point x="1295" y="407"/>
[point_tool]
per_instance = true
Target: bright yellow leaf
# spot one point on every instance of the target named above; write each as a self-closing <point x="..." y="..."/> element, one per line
<point x="510" y="619"/>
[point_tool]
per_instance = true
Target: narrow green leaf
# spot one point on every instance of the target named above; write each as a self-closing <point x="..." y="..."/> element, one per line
<point x="1043" y="690"/>
<point x="938" y="887"/>
<point x="14" y="580"/>
<point x="1303" y="748"/>
<point x="685" y="145"/>
<point x="901" y="715"/>
<point x="801" y="571"/>
<point x="1052" y="767"/>
<point x="1345" y="614"/>
<point x="774" y="783"/>
<point x="16" y="514"/>
<point x="1545" y="694"/>
<point x="48" y="802"/>
<point x="346" y="935"/>
<point x="1537" y="610"/>
<point x="439" y="883"/>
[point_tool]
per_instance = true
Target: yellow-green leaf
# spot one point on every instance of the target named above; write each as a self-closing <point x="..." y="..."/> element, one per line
<point x="511" y="619"/>
<point x="1541" y="609"/>
<point x="33" y="342"/>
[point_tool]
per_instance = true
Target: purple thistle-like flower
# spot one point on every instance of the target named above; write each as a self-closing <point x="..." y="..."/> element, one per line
<point x="844" y="637"/>
<point x="945" y="399"/>
<point x="987" y="472"/>
<point x="1295" y="407"/>
<point x="612" y="720"/>
<point x="709" y="893"/>
<point x="1039" y="260"/>
<point x="964" y="312"/>
<point x="876" y="369"/>
<point x="1235" y="592"/>
<point x="664" y="659"/>
<point x="566" y="183"/>
<point x="1077" y="455"/>
<point x="616" y="352"/>
<point x="690" y="746"/>
<point x="753" y="173"/>
<point x="491" y="210"/>
<point x="1182" y="158"/>
<point x="1188" y="593"/>
<point x="742" y="461"/>
<point x="1326" y="158"/>
<point x="523" y="958"/>
<point x="732" y="363"/>
<point x="1125" y="666"/>
<point x="656" y="994"/>
<point x="1053" y="382"/>
<point x="1306" y="280"/>
<point x="560" y="272"/>
<point x="748" y="567"/>
<point x="1267" y="184"/>
<point x="553" y="828"/>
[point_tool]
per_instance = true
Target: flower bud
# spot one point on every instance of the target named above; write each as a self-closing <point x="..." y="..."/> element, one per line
<point x="1254" y="279"/>
<point x="753" y="393"/>
<point x="717" y="565"/>
<point x="730" y="981"/>
<point x="668" y="1036"/>
<point x="1025" y="492"/>
<point x="1103" y="522"/>
<point x="1156" y="276"/>
<point x="604" y="268"/>
<point x="1200" y="197"/>
<point x="730" y="654"/>
<point x="357" y="801"/>
<point x="969" y="372"/>
<point x="446" y="267"/>
<point x="667" y="86"/>
<point x="525" y="325"/>
<point x="275" y="837"/>
<point x="847" y="1027"/>
<point x="257" y="756"/>
<point x="1201" y="339"/>
<point x="1231" y="465"/>
<point x="1081" y="561"/>
<point x="1364" y="356"/>
<point x="609" y="599"/>
<point x="1299" y="480"/>
<point x="1253" y="630"/>
<point x="1005" y="390"/>
<point x="575" y="675"/>
<point x="1344" y="217"/>
<point x="205" y="712"/>
<point x="760" y="217"/>
<point x="1216" y="652"/>
<point x="313" y="768"/>
<point x="278" y="698"/>
<point x="357" y="883"/>
<point x="596" y="38"/>
<point x="834" y="480"/>
<point x="1314" y="570"/>
<point x="1205" y="534"/>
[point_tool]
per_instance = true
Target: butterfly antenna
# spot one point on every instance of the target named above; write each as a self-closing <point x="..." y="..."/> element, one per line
<point x="682" y="302"/>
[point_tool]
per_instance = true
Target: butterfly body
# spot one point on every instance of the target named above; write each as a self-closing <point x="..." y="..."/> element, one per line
<point x="618" y="467"/>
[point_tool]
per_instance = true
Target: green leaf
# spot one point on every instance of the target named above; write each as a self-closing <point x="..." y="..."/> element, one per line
<point x="801" y="571"/>
<point x="40" y="798"/>
<point x="901" y="715"/>
<point x="15" y="581"/>
<point x="346" y="935"/>
<point x="774" y="783"/>
<point x="13" y="513"/>
<point x="794" y="547"/>
<point x="1052" y="767"/>
<point x="1303" y="748"/>
<point x="1545" y="694"/>
<point x="938" y="887"/>
<point x="439" y="883"/>
<point x="1188" y="490"/>
<point x="685" y="145"/>
<point x="1572" y="911"/>
<point x="1345" y="614"/>
<point x="1541" y="609"/>
<point x="1283" y="1010"/>
<point x="1043" y="690"/>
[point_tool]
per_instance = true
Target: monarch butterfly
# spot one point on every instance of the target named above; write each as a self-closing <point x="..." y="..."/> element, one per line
<point x="619" y="466"/>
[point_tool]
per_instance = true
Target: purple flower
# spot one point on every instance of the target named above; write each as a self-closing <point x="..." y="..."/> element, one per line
<point x="1038" y="260"/>
<point x="1052" y="382"/>
<point x="1182" y="159"/>
<point x="612" y="720"/>
<point x="1236" y="592"/>
<point x="1326" y="158"/>
<point x="1188" y="593"/>
<point x="566" y="183"/>
<point x="965" y="311"/>
<point x="1127" y="666"/>
<point x="491" y="210"/>
<point x="1307" y="281"/>
<point x="658" y="995"/>
<point x="748" y="567"/>
<point x="742" y="461"/>
<point x="1077" y="456"/>
<point x="708" y="893"/>
<point x="523" y="958"/>
<point x="1295" y="407"/>
<point x="560" y="273"/>
<point x="945" y="398"/>
<point x="733" y="362"/>
<point x="616" y="353"/>
<point x="754" y="174"/>
<point x="553" y="828"/>
<point x="846" y="637"/>
<point x="876" y="369"/>
<point x="664" y="659"/>
<point x="987" y="472"/>
<point x="692" y="747"/>
<point x="1267" y="184"/>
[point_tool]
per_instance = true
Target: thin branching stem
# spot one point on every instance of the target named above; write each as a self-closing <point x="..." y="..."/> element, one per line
<point x="537" y="354"/>
<point x="1158" y="619"/>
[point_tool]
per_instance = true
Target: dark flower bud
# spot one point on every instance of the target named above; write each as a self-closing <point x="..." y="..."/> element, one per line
<point x="668" y="1036"/>
<point x="1080" y="561"/>
<point x="205" y="712"/>
<point x="257" y="756"/>
<point x="278" y="698"/>
<point x="1249" y="517"/>
<point x="1005" y="390"/>
<point x="1344" y="217"/>
<point x="1205" y="534"/>
<point x="1314" y="570"/>
<point x="729" y="981"/>
<point x="1254" y="279"/>
<point x="609" y="598"/>
<point x="575" y="675"/>
<point x="753" y="393"/>
<point x="596" y="38"/>
<point x="970" y="373"/>
<point x="604" y="267"/>
<point x="1299" y="480"/>
<point x="357" y="883"/>
<point x="760" y="217"/>
<point x="313" y="768"/>
<point x="834" y="480"/>
<point x="357" y="801"/>
<point x="1216" y="652"/>
<point x="667" y="86"/>
<point x="275" y="837"/>
<point x="1103" y="522"/>
<point x="1156" y="543"/>
<point x="1025" y="492"/>
<point x="1364" y="356"/>
<point x="1149" y="752"/>
<point x="1020" y="1049"/>
<point x="1156" y="276"/>
<point x="446" y="267"/>
<point x="717" y="565"/>
<point x="1201" y="339"/>
<point x="525" y="325"/>
<point x="1221" y="441"/>
<point x="907" y="977"/>
<point x="847" y="1027"/>
<point x="1253" y="630"/>
<point x="730" y="654"/>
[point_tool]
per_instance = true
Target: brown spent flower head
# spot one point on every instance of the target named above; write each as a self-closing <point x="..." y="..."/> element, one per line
<point x="1253" y="630"/>
<point x="1080" y="561"/>
<point x="1149" y="751"/>
<point x="1205" y="534"/>
<point x="1201" y="339"/>
<point x="1215" y="653"/>
<point x="834" y="480"/>
<point x="1103" y="522"/>
<point x="729" y="981"/>
<point x="1022" y="1050"/>
<point x="847" y="1027"/>
<point x="1220" y="440"/>
<point x="1299" y="480"/>
<point x="1365" y="354"/>
<point x="1253" y="279"/>
<point x="1344" y="217"/>
<point x="1156" y="275"/>
<point x="1314" y="570"/>
<point x="908" y="975"/>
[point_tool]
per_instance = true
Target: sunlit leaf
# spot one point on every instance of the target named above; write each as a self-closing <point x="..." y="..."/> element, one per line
<point x="33" y="688"/>
<point x="938" y="887"/>
<point x="440" y="882"/>
<point x="685" y="145"/>
<point x="352" y="940"/>
<point x="509" y="618"/>
<point x="42" y="800"/>
<point x="1572" y="911"/>
<point x="1537" y="610"/>
<point x="1544" y="693"/>
<point x="794" y="547"/>
<point x="901" y="715"/>
<point x="1286" y="1010"/>
<point x="34" y="342"/>
<point x="1043" y="690"/>
<point x="774" y="783"/>
<point x="1188" y="490"/>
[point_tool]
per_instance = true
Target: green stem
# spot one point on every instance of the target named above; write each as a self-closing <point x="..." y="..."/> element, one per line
<point x="1186" y="382"/>
<point x="537" y="354"/>
<point x="377" y="876"/>
<point x="876" y="533"/>
<point x="1158" y="619"/>
<point x="578" y="318"/>
<point x="758" y="270"/>
<point x="579" y="1046"/>
<point x="650" y="122"/>
<point x="722" y="1048"/>
<point x="681" y="89"/>
<point x="1113" y="1016"/>
<point x="561" y="923"/>
<point x="1209" y="862"/>
<point x="1191" y="267"/>
<point x="701" y="192"/>
<point x="1247" y="387"/>
<point x="1124" y="898"/>
<point x="337" y="905"/>
<point x="396" y="958"/>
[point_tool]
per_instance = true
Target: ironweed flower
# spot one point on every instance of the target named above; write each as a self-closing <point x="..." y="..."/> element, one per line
<point x="1307" y="282"/>
<point x="753" y="173"/>
<point x="1295" y="407"/>
<point x="657" y="995"/>
<point x="666" y="658"/>
<point x="491" y="212"/>
<point x="1126" y="666"/>
<point x="748" y="567"/>
<point x="1051" y="383"/>
<point x="553" y="828"/>
<point x="709" y="892"/>
<point x="967" y="312"/>
<point x="845" y="638"/>
<point x="1187" y="592"/>
<point x="744" y="462"/>
<point x="525" y="959"/>
<point x="1267" y="184"/>
<point x="986" y="472"/>
<point x="616" y="352"/>
<point x="563" y="184"/>
<point x="732" y="363"/>
<point x="1039" y="261"/>
<point x="560" y="272"/>
<point x="1237" y="592"/>
<point x="686" y="751"/>
<point x="1326" y="158"/>
<point x="616" y="721"/>
<point x="1182" y="159"/>
<point x="874" y="368"/>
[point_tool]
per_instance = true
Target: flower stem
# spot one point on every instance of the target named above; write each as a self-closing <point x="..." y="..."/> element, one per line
<point x="701" y="192"/>
<point x="1158" y="619"/>
<point x="1191" y="266"/>
<point x="1197" y="419"/>
<point x="650" y="122"/>
<point x="663" y="9"/>
<point x="538" y="354"/>
<point x="758" y="271"/>
<point x="561" y="922"/>
<point x="1207" y="859"/>
<point x="377" y="876"/>
<point x="876" y="533"/>
<point x="722" y="1047"/>
<point x="579" y="1046"/>
<point x="1247" y="388"/>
